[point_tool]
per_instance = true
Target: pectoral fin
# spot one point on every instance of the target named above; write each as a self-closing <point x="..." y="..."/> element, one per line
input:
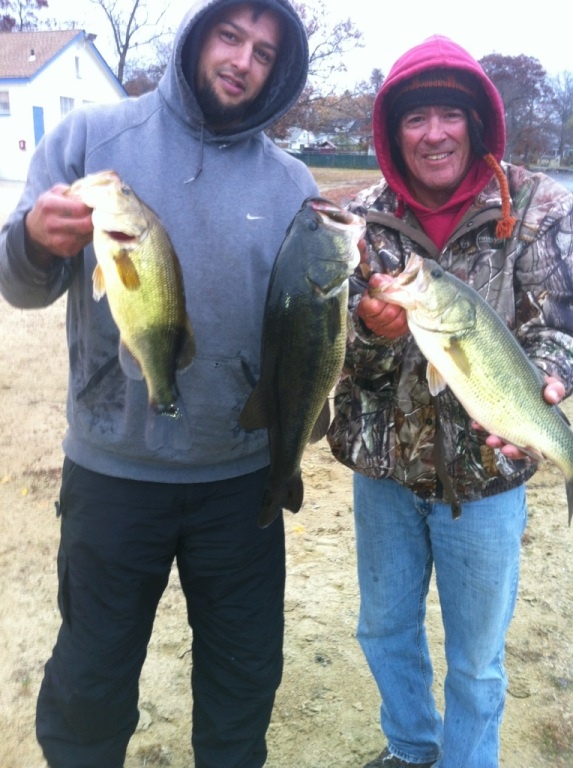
<point x="458" y="356"/>
<point x="321" y="425"/>
<point x="127" y="271"/>
<point x="98" y="283"/>
<point x="436" y="382"/>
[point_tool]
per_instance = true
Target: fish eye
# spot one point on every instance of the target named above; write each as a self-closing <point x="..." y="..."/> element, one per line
<point x="126" y="191"/>
<point x="437" y="272"/>
<point x="313" y="225"/>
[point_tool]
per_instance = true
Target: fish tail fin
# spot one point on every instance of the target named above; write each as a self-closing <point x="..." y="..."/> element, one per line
<point x="569" y="491"/>
<point x="289" y="496"/>
<point x="168" y="428"/>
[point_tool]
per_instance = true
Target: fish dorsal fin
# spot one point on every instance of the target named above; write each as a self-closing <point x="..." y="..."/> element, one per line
<point x="254" y="414"/>
<point x="187" y="351"/>
<point x="321" y="425"/>
<point x="98" y="283"/>
<point x="436" y="382"/>
<point x="127" y="271"/>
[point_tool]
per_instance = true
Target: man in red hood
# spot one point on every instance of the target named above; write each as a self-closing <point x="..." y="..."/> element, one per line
<point x="439" y="135"/>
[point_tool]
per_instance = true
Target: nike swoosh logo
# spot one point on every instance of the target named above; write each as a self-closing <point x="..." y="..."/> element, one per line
<point x="252" y="217"/>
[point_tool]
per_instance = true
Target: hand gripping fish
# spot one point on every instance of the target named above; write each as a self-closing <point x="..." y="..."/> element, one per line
<point x="470" y="349"/>
<point x="303" y="344"/>
<point x="139" y="271"/>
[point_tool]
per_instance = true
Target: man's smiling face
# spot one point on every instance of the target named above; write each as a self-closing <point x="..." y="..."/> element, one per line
<point x="435" y="145"/>
<point x="236" y="60"/>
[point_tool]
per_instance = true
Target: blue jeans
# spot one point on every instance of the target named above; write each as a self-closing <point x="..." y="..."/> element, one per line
<point x="400" y="537"/>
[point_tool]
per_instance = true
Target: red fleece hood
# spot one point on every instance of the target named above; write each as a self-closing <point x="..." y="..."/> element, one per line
<point x="433" y="53"/>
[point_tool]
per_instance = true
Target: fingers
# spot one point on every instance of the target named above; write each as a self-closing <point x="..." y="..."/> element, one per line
<point x="58" y="224"/>
<point x="554" y="391"/>
<point x="380" y="317"/>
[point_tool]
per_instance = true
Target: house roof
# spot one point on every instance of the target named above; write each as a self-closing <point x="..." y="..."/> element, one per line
<point x="23" y="54"/>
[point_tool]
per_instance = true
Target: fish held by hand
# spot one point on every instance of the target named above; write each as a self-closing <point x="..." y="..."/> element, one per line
<point x="470" y="349"/>
<point x="139" y="272"/>
<point x="303" y="345"/>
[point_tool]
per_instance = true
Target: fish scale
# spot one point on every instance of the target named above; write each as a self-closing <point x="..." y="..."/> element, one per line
<point x="470" y="349"/>
<point x="303" y="343"/>
<point x="138" y="269"/>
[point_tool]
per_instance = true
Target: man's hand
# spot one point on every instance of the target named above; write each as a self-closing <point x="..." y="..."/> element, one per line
<point x="553" y="393"/>
<point x="381" y="318"/>
<point x="58" y="225"/>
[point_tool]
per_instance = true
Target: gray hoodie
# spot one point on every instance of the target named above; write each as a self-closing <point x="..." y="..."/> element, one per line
<point x="226" y="202"/>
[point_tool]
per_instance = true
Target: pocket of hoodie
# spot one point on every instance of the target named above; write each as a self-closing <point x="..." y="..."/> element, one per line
<point x="214" y="392"/>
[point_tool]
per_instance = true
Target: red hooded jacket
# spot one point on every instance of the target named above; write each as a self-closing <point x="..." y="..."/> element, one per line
<point x="438" y="52"/>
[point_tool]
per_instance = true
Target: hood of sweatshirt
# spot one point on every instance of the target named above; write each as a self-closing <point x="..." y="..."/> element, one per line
<point x="438" y="52"/>
<point x="280" y="93"/>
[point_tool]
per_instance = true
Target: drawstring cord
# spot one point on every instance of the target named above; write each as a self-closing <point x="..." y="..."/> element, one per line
<point x="201" y="153"/>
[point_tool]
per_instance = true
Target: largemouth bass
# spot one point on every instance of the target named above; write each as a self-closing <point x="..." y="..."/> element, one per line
<point x="470" y="349"/>
<point x="303" y="344"/>
<point x="139" y="271"/>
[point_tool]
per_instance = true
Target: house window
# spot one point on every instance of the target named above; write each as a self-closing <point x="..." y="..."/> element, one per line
<point x="4" y="103"/>
<point x="66" y="105"/>
<point x="78" y="72"/>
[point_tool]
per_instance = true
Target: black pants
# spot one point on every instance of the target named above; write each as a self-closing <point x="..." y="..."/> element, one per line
<point x="118" y="542"/>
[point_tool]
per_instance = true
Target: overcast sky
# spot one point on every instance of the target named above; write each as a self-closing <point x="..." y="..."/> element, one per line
<point x="389" y="28"/>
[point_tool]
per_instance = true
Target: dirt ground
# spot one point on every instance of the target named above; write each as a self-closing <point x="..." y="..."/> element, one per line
<point x="326" y="711"/>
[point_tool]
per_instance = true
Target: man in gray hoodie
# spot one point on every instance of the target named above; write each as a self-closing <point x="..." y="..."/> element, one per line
<point x="194" y="150"/>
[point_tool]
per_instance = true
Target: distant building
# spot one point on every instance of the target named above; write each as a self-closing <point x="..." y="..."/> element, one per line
<point x="297" y="139"/>
<point x="43" y="76"/>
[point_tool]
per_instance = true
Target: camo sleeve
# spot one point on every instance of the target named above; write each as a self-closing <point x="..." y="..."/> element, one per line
<point x="544" y="277"/>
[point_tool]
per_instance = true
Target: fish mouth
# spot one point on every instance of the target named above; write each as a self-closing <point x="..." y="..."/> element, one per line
<point x="396" y="290"/>
<point x="120" y="237"/>
<point x="332" y="213"/>
<point x="410" y="272"/>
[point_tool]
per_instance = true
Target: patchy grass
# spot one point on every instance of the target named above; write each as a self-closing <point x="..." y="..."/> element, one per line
<point x="557" y="739"/>
<point x="341" y="184"/>
<point x="344" y="176"/>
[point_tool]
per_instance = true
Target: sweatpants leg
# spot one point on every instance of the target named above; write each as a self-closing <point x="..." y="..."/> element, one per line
<point x="233" y="576"/>
<point x="116" y="549"/>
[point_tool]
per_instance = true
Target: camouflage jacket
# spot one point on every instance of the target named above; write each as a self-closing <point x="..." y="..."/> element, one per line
<point x="385" y="417"/>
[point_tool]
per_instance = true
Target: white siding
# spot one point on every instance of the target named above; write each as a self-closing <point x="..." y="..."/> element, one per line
<point x="58" y="79"/>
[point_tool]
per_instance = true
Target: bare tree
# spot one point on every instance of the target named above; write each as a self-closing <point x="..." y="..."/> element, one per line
<point x="20" y="15"/>
<point x="328" y="43"/>
<point x="134" y="25"/>
<point x="144" y="77"/>
<point x="529" y="104"/>
<point x="562" y="86"/>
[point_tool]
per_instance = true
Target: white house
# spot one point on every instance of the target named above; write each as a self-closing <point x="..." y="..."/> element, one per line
<point x="297" y="139"/>
<point x="43" y="76"/>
